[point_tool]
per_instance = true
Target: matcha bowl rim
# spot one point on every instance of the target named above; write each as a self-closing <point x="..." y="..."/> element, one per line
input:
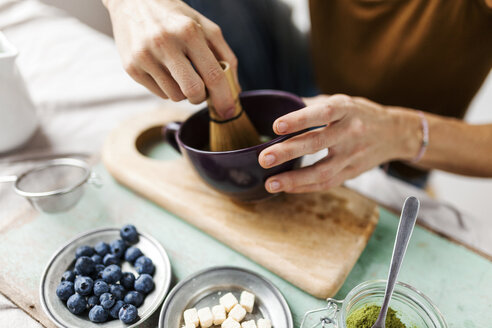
<point x="336" y="312"/>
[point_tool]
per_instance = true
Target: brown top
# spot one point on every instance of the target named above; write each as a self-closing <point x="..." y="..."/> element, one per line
<point x="431" y="55"/>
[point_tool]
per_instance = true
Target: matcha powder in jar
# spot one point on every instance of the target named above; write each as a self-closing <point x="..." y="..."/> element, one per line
<point x="366" y="316"/>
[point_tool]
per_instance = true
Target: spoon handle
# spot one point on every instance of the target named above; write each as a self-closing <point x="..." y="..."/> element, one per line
<point x="405" y="229"/>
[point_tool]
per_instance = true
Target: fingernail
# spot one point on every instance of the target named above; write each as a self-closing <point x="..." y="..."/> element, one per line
<point x="274" y="185"/>
<point x="269" y="159"/>
<point x="281" y="127"/>
<point x="229" y="113"/>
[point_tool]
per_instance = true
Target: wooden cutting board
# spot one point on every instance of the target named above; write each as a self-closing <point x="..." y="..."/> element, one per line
<point x="311" y="240"/>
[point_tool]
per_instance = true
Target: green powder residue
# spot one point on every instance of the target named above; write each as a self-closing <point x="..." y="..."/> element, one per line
<point x="366" y="316"/>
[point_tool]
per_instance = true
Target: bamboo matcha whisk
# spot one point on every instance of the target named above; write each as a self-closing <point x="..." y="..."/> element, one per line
<point x="234" y="133"/>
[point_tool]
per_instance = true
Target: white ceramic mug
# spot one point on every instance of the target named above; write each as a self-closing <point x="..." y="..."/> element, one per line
<point x="18" y="119"/>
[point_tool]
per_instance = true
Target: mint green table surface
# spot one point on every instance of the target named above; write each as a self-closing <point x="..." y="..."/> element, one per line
<point x="456" y="279"/>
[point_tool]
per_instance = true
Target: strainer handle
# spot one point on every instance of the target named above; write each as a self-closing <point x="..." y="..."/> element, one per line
<point x="326" y="317"/>
<point x="8" y="178"/>
<point x="95" y="180"/>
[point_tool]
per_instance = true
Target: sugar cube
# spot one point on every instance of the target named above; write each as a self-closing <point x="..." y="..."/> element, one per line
<point x="248" y="324"/>
<point x="188" y="325"/>
<point x="230" y="323"/>
<point x="205" y="316"/>
<point x="219" y="313"/>
<point x="264" y="323"/>
<point x="247" y="301"/>
<point x="237" y="313"/>
<point x="191" y="317"/>
<point x="228" y="301"/>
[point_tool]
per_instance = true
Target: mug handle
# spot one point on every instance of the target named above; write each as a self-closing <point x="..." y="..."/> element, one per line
<point x="169" y="131"/>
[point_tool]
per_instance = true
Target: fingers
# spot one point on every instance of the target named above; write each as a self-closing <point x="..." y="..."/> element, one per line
<point x="312" y="100"/>
<point x="148" y="71"/>
<point x="213" y="75"/>
<point x="195" y="68"/>
<point x="155" y="88"/>
<point x="147" y="81"/>
<point x="344" y="175"/>
<point x="178" y="50"/>
<point x="329" y="110"/>
<point x="318" y="173"/>
<point x="306" y="143"/>
<point x="164" y="79"/>
<point x="219" y="45"/>
<point x="189" y="81"/>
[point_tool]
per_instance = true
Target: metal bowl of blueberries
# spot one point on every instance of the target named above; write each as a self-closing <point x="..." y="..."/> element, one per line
<point x="106" y="277"/>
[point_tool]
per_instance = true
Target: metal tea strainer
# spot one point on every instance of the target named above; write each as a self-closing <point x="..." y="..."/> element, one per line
<point x="55" y="186"/>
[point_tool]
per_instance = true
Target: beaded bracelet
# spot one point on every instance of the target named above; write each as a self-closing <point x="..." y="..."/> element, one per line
<point x="425" y="137"/>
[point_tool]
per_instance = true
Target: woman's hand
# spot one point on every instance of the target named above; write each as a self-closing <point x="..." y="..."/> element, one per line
<point x="173" y="50"/>
<point x="359" y="135"/>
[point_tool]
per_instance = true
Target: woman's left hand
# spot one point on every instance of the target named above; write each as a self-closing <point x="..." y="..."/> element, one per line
<point x="359" y="135"/>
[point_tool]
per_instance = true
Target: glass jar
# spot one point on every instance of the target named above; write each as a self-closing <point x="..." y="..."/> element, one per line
<point x="413" y="308"/>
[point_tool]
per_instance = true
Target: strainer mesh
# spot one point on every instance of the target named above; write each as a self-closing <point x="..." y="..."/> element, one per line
<point x="51" y="178"/>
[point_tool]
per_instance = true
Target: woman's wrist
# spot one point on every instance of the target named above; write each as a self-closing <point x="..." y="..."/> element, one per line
<point x="407" y="133"/>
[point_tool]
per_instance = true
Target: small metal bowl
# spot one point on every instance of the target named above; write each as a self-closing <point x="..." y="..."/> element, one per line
<point x="63" y="259"/>
<point x="206" y="287"/>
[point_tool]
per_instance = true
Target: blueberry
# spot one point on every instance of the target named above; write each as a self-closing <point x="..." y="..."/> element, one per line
<point x="76" y="272"/>
<point x="92" y="301"/>
<point x="76" y="304"/>
<point x="116" y="309"/>
<point x="98" y="314"/>
<point x="107" y="300"/>
<point x="68" y="276"/>
<point x="65" y="290"/>
<point x="98" y="268"/>
<point x="100" y="287"/>
<point x="144" y="284"/>
<point x="128" y="314"/>
<point x="84" y="265"/>
<point x="110" y="259"/>
<point x="127" y="280"/>
<point x="132" y="254"/>
<point x="97" y="259"/>
<point x="144" y="265"/>
<point x="83" y="285"/>
<point x="111" y="274"/>
<point x="102" y="248"/>
<point x="84" y="251"/>
<point x="96" y="275"/>
<point x="118" y="291"/>
<point x="135" y="298"/>
<point x="118" y="248"/>
<point x="129" y="234"/>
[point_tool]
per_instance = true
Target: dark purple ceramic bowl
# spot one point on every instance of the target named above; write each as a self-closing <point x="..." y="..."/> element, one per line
<point x="236" y="173"/>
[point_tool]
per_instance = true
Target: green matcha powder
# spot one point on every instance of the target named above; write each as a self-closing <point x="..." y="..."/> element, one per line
<point x="366" y="316"/>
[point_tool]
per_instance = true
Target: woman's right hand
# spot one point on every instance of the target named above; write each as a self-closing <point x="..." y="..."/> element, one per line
<point x="173" y="50"/>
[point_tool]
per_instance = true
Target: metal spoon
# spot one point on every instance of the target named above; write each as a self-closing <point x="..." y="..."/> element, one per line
<point x="405" y="229"/>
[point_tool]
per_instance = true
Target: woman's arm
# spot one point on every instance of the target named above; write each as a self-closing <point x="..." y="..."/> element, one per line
<point x="361" y="134"/>
<point x="458" y="147"/>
